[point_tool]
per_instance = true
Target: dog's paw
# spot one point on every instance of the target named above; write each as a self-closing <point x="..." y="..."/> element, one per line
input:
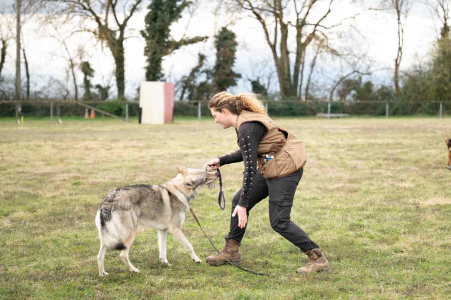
<point x="164" y="261"/>
<point x="103" y="273"/>
<point x="197" y="260"/>
<point x="133" y="269"/>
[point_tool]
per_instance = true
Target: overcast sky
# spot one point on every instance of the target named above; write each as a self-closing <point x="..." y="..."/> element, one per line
<point x="376" y="40"/>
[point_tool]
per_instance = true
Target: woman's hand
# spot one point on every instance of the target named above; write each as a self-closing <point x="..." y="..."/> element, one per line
<point x="242" y="215"/>
<point x="214" y="164"/>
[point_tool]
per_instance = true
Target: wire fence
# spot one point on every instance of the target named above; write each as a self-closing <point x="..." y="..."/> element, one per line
<point x="124" y="110"/>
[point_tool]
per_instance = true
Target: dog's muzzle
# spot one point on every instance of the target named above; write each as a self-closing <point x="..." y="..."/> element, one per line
<point x="210" y="182"/>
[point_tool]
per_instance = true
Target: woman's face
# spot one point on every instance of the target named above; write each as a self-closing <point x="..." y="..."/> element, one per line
<point x="223" y="117"/>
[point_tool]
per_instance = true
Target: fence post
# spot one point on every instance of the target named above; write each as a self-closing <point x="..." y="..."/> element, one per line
<point x="198" y="111"/>
<point x="58" y="113"/>
<point x="328" y="110"/>
<point x="386" y="110"/>
<point x="17" y="113"/>
<point x="51" y="111"/>
<point x="441" y="109"/>
<point x="126" y="112"/>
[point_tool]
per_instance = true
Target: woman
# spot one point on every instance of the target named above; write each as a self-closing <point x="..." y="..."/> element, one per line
<point x="280" y="158"/>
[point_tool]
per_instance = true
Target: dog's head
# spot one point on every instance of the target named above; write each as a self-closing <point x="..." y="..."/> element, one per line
<point x="448" y="144"/>
<point x="195" y="178"/>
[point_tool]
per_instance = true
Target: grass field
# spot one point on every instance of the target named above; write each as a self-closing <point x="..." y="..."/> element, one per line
<point x="375" y="196"/>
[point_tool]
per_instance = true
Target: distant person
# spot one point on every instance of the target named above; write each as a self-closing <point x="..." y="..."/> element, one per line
<point x="280" y="158"/>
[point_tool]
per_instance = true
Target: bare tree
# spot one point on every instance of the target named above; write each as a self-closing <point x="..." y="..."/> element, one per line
<point x="342" y="78"/>
<point x="274" y="17"/>
<point x="440" y="10"/>
<point x="110" y="26"/>
<point x="321" y="42"/>
<point x="401" y="9"/>
<point x="18" y="29"/>
<point x="24" y="10"/>
<point x="63" y="37"/>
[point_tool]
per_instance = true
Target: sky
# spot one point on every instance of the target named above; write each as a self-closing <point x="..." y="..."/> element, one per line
<point x="371" y="34"/>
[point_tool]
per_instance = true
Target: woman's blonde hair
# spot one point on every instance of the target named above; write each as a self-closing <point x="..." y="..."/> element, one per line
<point x="237" y="103"/>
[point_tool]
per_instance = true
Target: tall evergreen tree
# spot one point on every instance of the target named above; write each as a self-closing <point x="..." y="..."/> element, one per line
<point x="224" y="76"/>
<point x="159" y="43"/>
<point x="88" y="73"/>
<point x="440" y="75"/>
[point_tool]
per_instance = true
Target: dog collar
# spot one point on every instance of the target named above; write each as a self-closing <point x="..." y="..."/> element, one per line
<point x="187" y="198"/>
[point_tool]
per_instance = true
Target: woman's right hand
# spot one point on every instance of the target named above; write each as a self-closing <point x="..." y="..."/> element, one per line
<point x="214" y="164"/>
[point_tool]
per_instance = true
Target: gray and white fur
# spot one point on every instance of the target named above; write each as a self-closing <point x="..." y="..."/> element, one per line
<point x="161" y="207"/>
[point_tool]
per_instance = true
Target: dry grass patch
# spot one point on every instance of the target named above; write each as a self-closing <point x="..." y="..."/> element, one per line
<point x="373" y="196"/>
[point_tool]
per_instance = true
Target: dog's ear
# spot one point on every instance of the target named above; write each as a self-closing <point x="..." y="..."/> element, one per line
<point x="189" y="184"/>
<point x="182" y="170"/>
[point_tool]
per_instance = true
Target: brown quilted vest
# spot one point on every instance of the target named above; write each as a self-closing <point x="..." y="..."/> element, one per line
<point x="289" y="152"/>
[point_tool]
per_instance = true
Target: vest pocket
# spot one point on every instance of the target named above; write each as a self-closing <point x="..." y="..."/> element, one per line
<point x="282" y="164"/>
<point x="290" y="159"/>
<point x="285" y="164"/>
<point x="297" y="152"/>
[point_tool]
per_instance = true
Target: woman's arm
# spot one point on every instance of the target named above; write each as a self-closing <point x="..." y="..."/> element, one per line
<point x="231" y="158"/>
<point x="249" y="136"/>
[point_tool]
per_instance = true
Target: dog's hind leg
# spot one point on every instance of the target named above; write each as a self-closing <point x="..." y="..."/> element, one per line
<point x="124" y="253"/>
<point x="101" y="258"/>
<point x="162" y="246"/>
<point x="180" y="237"/>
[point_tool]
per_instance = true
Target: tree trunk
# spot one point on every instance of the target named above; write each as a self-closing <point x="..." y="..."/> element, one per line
<point x="116" y="45"/>
<point x="302" y="65"/>
<point x="285" y="61"/>
<point x="398" y="8"/>
<point x="307" y="89"/>
<point x="27" y="73"/>
<point x="118" y="54"/>
<point x="119" y="58"/>
<point x="17" y="90"/>
<point x="396" y="79"/>
<point x="72" y="68"/>
<point x="3" y="56"/>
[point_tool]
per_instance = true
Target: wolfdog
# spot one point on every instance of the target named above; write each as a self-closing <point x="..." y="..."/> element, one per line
<point x="161" y="207"/>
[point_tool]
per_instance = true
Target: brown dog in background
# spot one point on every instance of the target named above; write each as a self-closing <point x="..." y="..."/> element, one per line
<point x="448" y="146"/>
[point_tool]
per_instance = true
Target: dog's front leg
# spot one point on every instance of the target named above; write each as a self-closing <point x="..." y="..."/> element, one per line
<point x="162" y="246"/>
<point x="180" y="237"/>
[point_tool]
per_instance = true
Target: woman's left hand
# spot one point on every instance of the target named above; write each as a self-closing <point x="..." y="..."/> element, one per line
<point x="242" y="215"/>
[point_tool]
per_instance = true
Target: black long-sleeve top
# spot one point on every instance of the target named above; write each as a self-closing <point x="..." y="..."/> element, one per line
<point x="249" y="135"/>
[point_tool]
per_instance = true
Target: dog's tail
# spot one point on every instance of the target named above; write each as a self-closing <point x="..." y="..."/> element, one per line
<point x="108" y="232"/>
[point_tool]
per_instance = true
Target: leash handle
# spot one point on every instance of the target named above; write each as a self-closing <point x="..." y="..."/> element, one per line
<point x="221" y="193"/>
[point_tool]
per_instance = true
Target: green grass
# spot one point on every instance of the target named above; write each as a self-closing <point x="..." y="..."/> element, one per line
<point x="375" y="196"/>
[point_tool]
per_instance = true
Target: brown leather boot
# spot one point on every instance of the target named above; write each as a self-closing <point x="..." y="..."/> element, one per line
<point x="230" y="253"/>
<point x="317" y="262"/>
